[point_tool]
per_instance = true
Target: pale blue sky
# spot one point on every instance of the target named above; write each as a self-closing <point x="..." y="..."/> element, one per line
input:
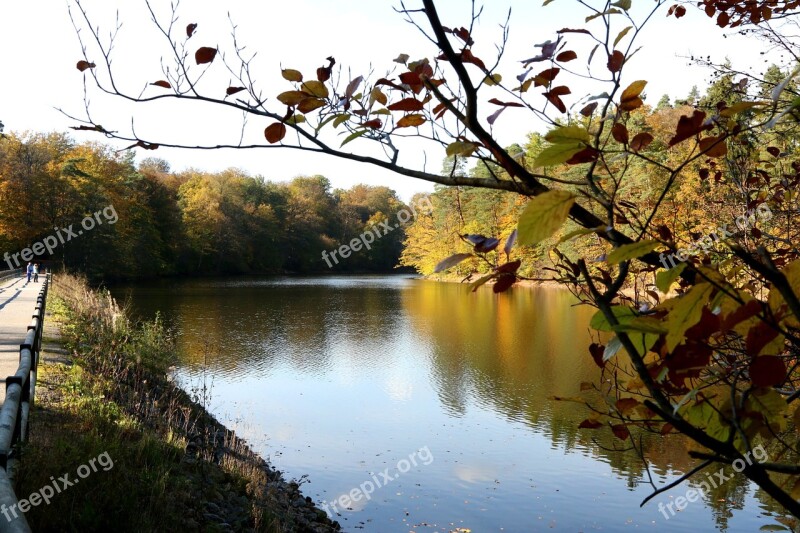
<point x="41" y="51"/>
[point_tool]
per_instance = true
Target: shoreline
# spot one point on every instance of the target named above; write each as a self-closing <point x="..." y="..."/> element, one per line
<point x="528" y="284"/>
<point x="210" y="478"/>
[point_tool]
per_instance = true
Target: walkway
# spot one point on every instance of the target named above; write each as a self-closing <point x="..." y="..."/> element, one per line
<point x="17" y="303"/>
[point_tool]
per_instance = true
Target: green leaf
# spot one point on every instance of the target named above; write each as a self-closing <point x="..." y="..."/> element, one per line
<point x="568" y="135"/>
<point x="621" y="35"/>
<point x="543" y="215"/>
<point x="665" y="278"/>
<point x="340" y="119"/>
<point x="611" y="11"/>
<point x="327" y="121"/>
<point x="630" y="251"/>
<point x="686" y="313"/>
<point x="623" y="4"/>
<point x="353" y="136"/>
<point x="557" y="154"/>
<point x="622" y="313"/>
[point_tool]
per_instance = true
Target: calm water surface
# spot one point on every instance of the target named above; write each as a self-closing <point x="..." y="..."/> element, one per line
<point x="340" y="378"/>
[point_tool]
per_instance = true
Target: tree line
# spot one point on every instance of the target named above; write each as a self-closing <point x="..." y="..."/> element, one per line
<point x="177" y="223"/>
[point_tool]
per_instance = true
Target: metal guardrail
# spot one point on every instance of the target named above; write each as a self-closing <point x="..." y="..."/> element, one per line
<point x="20" y="392"/>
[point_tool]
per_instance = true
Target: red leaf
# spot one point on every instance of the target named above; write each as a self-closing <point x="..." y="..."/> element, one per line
<point x="620" y="133"/>
<point x="546" y="76"/>
<point x="495" y="101"/>
<point x="615" y="61"/>
<point x="162" y="83"/>
<point x="689" y="127"/>
<point x="620" y="431"/>
<point x="467" y="57"/>
<point x="590" y="424"/>
<point x="375" y="123"/>
<point x="407" y="104"/>
<point x="759" y="336"/>
<point x="275" y="132"/>
<point x="511" y="267"/>
<point x="641" y="141"/>
<point x="233" y="90"/>
<point x="324" y="73"/>
<point x="587" y="155"/>
<point x="596" y="351"/>
<point x="83" y="65"/>
<point x="723" y="19"/>
<point x="190" y="29"/>
<point x="624" y="405"/>
<point x="679" y="12"/>
<point x="774" y="152"/>
<point x="204" y="55"/>
<point x="568" y="55"/>
<point x="767" y="371"/>
<point x="504" y="282"/>
<point x="589" y="109"/>
<point x="553" y="96"/>
<point x="384" y="81"/>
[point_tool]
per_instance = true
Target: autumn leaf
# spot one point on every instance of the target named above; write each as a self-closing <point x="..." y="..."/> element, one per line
<point x="714" y="146"/>
<point x="630" y="251"/>
<point x="292" y="98"/>
<point x="407" y="104"/>
<point x="620" y="133"/>
<point x="543" y="215"/>
<point x="315" y="88"/>
<point x="641" y="141"/>
<point x="275" y="132"/>
<point x="767" y="371"/>
<point x="615" y="61"/>
<point x="162" y="83"/>
<point x="233" y="90"/>
<point x="410" y="121"/>
<point x="308" y="105"/>
<point x="451" y="261"/>
<point x="565" y="56"/>
<point x="83" y="65"/>
<point x="190" y="28"/>
<point x="292" y="75"/>
<point x="205" y="55"/>
<point x="630" y="98"/>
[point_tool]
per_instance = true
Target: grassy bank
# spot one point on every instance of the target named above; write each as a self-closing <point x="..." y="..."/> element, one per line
<point x="146" y="456"/>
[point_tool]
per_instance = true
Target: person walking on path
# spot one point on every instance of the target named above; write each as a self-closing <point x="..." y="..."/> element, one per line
<point x="30" y="271"/>
<point x="36" y="272"/>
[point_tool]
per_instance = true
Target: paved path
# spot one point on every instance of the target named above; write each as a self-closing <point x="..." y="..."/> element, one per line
<point x="17" y="303"/>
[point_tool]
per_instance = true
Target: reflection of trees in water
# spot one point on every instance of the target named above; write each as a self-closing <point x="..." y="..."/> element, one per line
<point x="513" y="352"/>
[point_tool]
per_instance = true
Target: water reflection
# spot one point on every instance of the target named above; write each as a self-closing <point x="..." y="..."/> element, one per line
<point x="339" y="378"/>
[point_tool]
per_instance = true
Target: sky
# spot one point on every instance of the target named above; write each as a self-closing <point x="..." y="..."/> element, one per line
<point x="41" y="50"/>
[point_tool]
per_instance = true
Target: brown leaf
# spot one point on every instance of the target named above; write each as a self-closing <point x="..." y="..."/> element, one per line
<point x="689" y="127"/>
<point x="714" y="146"/>
<point x="411" y="121"/>
<point x="615" y="61"/>
<point x="495" y="101"/>
<point x="205" y="54"/>
<point x="467" y="57"/>
<point x="546" y="76"/>
<point x="83" y="65"/>
<point x="620" y="133"/>
<point x="620" y="431"/>
<point x="590" y="424"/>
<point x="565" y="56"/>
<point x="375" y="123"/>
<point x="641" y="141"/>
<point x="767" y="371"/>
<point x="679" y="12"/>
<point x="407" y="104"/>
<point x="774" y="152"/>
<point x="504" y="282"/>
<point x="308" y="105"/>
<point x="190" y="29"/>
<point x="275" y="132"/>
<point x="723" y="19"/>
<point x="589" y="109"/>
<point x="587" y="155"/>
<point x="162" y="83"/>
<point x="554" y="94"/>
<point x="233" y="90"/>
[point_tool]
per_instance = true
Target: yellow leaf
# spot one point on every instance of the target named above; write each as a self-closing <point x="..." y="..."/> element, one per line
<point x="316" y="88"/>
<point x="377" y="96"/>
<point x="543" y="215"/>
<point x="494" y="79"/>
<point x="292" y="97"/>
<point x="292" y="75"/>
<point x="557" y="154"/>
<point x="631" y="251"/>
<point x="341" y="119"/>
<point x="622" y="34"/>
<point x="568" y="134"/>
<point x="464" y="149"/>
<point x="630" y="99"/>
<point x="687" y="313"/>
<point x="410" y="121"/>
<point x="738" y="108"/>
<point x="666" y="278"/>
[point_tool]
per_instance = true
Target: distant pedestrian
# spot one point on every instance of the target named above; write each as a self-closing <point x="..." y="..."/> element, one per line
<point x="36" y="272"/>
<point x="30" y="272"/>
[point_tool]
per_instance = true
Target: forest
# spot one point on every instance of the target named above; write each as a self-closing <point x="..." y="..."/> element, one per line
<point x="179" y="223"/>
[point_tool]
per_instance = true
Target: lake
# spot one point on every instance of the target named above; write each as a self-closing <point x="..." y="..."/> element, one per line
<point x="411" y="405"/>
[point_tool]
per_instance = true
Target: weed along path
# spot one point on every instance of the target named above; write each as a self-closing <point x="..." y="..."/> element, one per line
<point x="17" y="304"/>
